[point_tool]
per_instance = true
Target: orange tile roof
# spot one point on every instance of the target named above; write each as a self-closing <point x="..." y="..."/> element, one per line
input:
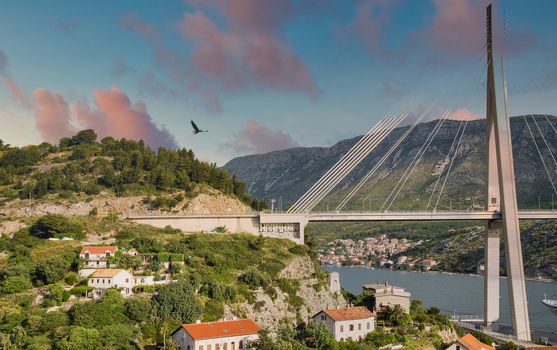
<point x="209" y="330"/>
<point x="352" y="313"/>
<point x="472" y="343"/>
<point x="98" y="249"/>
<point x="106" y="273"/>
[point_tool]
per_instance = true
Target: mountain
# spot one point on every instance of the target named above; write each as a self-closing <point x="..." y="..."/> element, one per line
<point x="289" y="173"/>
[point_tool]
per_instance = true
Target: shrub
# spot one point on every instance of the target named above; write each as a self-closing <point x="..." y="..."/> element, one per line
<point x="15" y="284"/>
<point x="80" y="291"/>
<point x="55" y="225"/>
<point x="71" y="278"/>
<point x="253" y="278"/>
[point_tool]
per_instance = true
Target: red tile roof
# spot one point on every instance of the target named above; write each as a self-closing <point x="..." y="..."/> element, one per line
<point x="98" y="249"/>
<point x="352" y="313"/>
<point x="472" y="343"/>
<point x="209" y="330"/>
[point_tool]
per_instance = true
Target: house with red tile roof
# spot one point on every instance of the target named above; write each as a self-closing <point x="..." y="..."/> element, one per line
<point x="352" y="323"/>
<point x="222" y="335"/>
<point x="469" y="342"/>
<point x="96" y="257"/>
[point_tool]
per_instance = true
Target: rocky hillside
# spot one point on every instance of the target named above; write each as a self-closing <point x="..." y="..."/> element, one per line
<point x="81" y="176"/>
<point x="289" y="173"/>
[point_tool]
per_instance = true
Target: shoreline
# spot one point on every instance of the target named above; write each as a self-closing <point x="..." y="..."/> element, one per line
<point x="533" y="279"/>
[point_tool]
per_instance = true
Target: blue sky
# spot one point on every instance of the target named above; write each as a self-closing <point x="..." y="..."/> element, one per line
<point x="259" y="74"/>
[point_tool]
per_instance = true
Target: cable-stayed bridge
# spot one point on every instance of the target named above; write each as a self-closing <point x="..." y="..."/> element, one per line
<point x="500" y="211"/>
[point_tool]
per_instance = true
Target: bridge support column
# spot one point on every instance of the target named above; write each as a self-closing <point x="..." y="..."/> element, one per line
<point x="491" y="272"/>
<point x="499" y="143"/>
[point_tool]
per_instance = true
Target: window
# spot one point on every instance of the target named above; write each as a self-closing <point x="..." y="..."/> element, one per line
<point x="323" y="317"/>
<point x="108" y="281"/>
<point x="209" y="347"/>
<point x="351" y="327"/>
<point x="368" y="326"/>
<point x="225" y="346"/>
<point x="241" y="344"/>
<point x="103" y="280"/>
<point x="127" y="280"/>
<point x="188" y="348"/>
<point x="200" y="347"/>
<point x="217" y="347"/>
<point x="108" y="254"/>
<point x="233" y="345"/>
<point x="458" y="347"/>
<point x="341" y="328"/>
<point x="87" y="256"/>
<point x="359" y="326"/>
<point x="143" y="280"/>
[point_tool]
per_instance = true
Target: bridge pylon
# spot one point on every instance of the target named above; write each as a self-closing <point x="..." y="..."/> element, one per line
<point x="501" y="197"/>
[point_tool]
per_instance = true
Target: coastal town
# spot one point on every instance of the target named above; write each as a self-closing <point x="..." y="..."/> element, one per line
<point x="374" y="252"/>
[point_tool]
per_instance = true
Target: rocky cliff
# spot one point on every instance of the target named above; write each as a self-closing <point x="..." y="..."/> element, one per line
<point x="305" y="296"/>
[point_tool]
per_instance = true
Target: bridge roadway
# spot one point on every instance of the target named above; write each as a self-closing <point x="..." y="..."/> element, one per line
<point x="403" y="216"/>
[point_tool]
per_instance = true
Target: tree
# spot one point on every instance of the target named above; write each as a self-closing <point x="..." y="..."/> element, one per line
<point x="318" y="335"/>
<point x="177" y="301"/>
<point x="138" y="309"/>
<point x="81" y="338"/>
<point x="84" y="137"/>
<point x="51" y="270"/>
<point x="52" y="225"/>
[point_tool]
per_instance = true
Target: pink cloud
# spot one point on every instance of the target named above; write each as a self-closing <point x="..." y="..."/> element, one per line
<point x="372" y="16"/>
<point x="256" y="138"/>
<point x="17" y="93"/>
<point x="147" y="30"/>
<point x="52" y="116"/>
<point x="115" y="115"/>
<point x="459" y="27"/>
<point x="463" y="114"/>
<point x="254" y="49"/>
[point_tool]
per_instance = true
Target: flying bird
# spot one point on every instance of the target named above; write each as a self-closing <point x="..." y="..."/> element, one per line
<point x="196" y="130"/>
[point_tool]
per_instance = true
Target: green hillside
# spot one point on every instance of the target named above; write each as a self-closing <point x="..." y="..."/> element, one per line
<point x="80" y="167"/>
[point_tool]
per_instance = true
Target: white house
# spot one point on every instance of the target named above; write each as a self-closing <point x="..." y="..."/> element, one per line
<point x="469" y="342"/>
<point x="103" y="279"/>
<point x="97" y="256"/>
<point x="352" y="323"/>
<point x="223" y="335"/>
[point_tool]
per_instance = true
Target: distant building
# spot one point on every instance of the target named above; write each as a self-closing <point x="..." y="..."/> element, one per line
<point x="223" y="335"/>
<point x="103" y="279"/>
<point x="427" y="264"/>
<point x="469" y="342"/>
<point x="96" y="257"/>
<point x="387" y="295"/>
<point x="347" y="324"/>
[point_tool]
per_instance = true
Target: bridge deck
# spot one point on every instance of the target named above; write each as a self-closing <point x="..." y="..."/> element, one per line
<point x="402" y="216"/>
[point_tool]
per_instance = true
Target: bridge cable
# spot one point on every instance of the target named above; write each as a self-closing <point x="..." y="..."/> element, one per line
<point x="540" y="154"/>
<point x="335" y="168"/>
<point x="423" y="151"/>
<point x="415" y="160"/>
<point x="445" y="162"/>
<point x="544" y="140"/>
<point x="338" y="170"/>
<point x="382" y="160"/>
<point x="450" y="165"/>
<point x="354" y="161"/>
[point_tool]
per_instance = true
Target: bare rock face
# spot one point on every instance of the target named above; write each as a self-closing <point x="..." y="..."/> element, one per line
<point x="209" y="201"/>
<point x="314" y="296"/>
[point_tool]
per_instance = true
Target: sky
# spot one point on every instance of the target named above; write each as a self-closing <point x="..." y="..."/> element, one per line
<point x="260" y="75"/>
